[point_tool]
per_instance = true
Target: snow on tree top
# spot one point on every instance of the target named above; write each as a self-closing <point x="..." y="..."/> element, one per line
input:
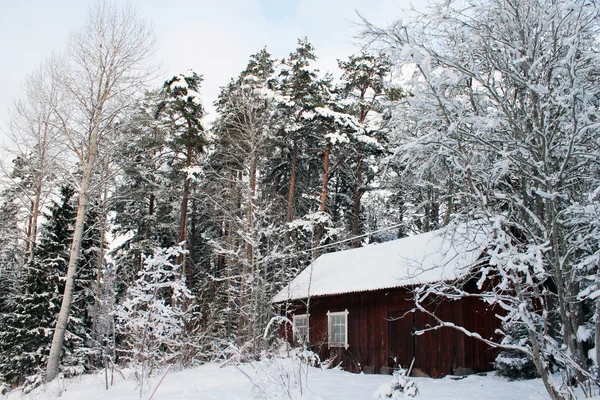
<point x="441" y="255"/>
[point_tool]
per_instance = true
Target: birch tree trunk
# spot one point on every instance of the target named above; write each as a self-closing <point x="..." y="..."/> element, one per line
<point x="65" y="307"/>
<point x="100" y="74"/>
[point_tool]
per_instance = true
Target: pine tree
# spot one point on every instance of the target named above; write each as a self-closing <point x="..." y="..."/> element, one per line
<point x="300" y="167"/>
<point x="143" y="213"/>
<point x="362" y="94"/>
<point x="179" y="113"/>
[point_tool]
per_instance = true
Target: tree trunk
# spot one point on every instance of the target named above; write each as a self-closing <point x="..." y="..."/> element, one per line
<point x="100" y="263"/>
<point x="229" y="240"/>
<point x="99" y="268"/>
<point x="183" y="217"/>
<point x="323" y="204"/>
<point x="28" y="245"/>
<point x="191" y="245"/>
<point x="357" y="198"/>
<point x="538" y="360"/>
<point x="597" y="336"/>
<point x="251" y="205"/>
<point x="65" y="308"/>
<point x="449" y="203"/>
<point x="35" y="215"/>
<point x="357" y="186"/>
<point x="35" y="212"/>
<point x="290" y="204"/>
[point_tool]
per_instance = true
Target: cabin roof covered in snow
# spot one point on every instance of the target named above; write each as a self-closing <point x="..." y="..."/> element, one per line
<point x="441" y="255"/>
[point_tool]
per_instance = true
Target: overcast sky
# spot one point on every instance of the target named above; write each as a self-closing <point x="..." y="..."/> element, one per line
<point x="214" y="38"/>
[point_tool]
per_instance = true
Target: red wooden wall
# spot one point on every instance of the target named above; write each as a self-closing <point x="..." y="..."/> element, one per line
<point x="379" y="339"/>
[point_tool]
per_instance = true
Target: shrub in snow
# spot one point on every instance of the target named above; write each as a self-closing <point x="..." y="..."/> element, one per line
<point x="152" y="317"/>
<point x="513" y="364"/>
<point x="282" y="378"/>
<point x="32" y="382"/>
<point x="400" y="386"/>
<point x="285" y="375"/>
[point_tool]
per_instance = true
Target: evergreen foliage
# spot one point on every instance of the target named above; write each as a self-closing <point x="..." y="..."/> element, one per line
<point x="25" y="342"/>
<point x="513" y="364"/>
<point x="28" y="326"/>
<point x="9" y="252"/>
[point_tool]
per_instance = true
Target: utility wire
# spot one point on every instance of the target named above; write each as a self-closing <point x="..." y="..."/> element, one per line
<point x="350" y="239"/>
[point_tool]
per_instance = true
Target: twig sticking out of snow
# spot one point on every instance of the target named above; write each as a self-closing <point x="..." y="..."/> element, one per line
<point x="159" y="382"/>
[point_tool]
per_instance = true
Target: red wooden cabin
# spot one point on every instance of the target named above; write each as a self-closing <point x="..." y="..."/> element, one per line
<point x="355" y="305"/>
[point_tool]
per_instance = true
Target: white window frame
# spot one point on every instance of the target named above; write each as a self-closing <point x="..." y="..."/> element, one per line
<point x="329" y="332"/>
<point x="296" y="317"/>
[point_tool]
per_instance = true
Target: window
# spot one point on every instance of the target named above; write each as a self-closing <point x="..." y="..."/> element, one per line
<point x="337" y="323"/>
<point x="301" y="327"/>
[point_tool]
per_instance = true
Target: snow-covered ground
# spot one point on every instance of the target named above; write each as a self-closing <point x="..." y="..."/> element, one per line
<point x="277" y="379"/>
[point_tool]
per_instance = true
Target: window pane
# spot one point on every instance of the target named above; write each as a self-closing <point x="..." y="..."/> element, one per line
<point x="337" y="329"/>
<point x="301" y="327"/>
<point x="302" y="333"/>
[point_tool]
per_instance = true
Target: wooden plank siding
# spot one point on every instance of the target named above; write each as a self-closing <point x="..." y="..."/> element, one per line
<point x="375" y="316"/>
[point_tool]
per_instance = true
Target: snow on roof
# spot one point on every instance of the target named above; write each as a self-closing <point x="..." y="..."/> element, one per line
<point x="441" y="255"/>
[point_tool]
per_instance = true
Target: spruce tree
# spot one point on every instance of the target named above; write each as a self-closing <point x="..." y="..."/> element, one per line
<point x="10" y="251"/>
<point x="144" y="212"/>
<point x="25" y="342"/>
<point x="27" y="330"/>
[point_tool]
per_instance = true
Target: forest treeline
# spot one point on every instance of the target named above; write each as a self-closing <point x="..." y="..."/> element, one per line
<point x="133" y="232"/>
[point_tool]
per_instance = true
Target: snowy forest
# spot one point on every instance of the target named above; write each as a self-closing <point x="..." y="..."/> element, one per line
<point x="138" y="230"/>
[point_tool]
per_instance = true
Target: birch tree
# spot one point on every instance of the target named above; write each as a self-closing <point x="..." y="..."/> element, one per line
<point x="102" y="69"/>
<point x="34" y="138"/>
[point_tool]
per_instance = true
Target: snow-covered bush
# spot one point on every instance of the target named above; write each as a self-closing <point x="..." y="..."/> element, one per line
<point x="283" y="378"/>
<point x="152" y="317"/>
<point x="400" y="386"/>
<point x="282" y="372"/>
<point x="514" y="364"/>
